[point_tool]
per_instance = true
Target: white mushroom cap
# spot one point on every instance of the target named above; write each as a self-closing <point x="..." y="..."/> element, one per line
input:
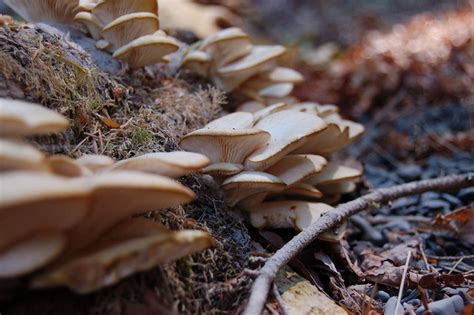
<point x="334" y="172"/>
<point x="16" y="155"/>
<point x="227" y="45"/>
<point x="31" y="253"/>
<point x="289" y="130"/>
<point x="285" y="75"/>
<point x="276" y="90"/>
<point x="223" y="169"/>
<point x="293" y="214"/>
<point x="18" y="118"/>
<point x="293" y="169"/>
<point x="259" y="59"/>
<point x="117" y="195"/>
<point x="169" y="164"/>
<point x="107" y="11"/>
<point x="234" y="121"/>
<point x="328" y="141"/>
<point x="302" y="190"/>
<point x="146" y="50"/>
<point x="225" y="145"/>
<point x="266" y="111"/>
<point x="197" y="61"/>
<point x="95" y="162"/>
<point x="126" y="28"/>
<point x="34" y="11"/>
<point x="315" y="108"/>
<point x="100" y="267"/>
<point x="87" y="5"/>
<point x="93" y="26"/>
<point x="250" y="106"/>
<point x="39" y="201"/>
<point x="248" y="183"/>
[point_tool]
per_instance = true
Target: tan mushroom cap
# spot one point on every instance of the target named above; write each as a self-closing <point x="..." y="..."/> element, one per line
<point x="248" y="183"/>
<point x="334" y="172"/>
<point x="95" y="162"/>
<point x="289" y="130"/>
<point x="18" y="118"/>
<point x="39" y="201"/>
<point x="293" y="214"/>
<point x="128" y="27"/>
<point x="118" y="195"/>
<point x="61" y="11"/>
<point x="93" y="26"/>
<point x="15" y="155"/>
<point x="355" y="129"/>
<point x="112" y="261"/>
<point x="146" y="50"/>
<point x="106" y="266"/>
<point x="87" y="5"/>
<point x="266" y="111"/>
<point x="302" y="190"/>
<point x="31" y="253"/>
<point x="223" y="169"/>
<point x="107" y="11"/>
<point x="285" y="75"/>
<point x="169" y="164"/>
<point x="224" y="145"/>
<point x="227" y="45"/>
<point x="197" y="61"/>
<point x="65" y="166"/>
<point x="315" y="108"/>
<point x="344" y="187"/>
<point x="277" y="81"/>
<point x="259" y="59"/>
<point x="293" y="169"/>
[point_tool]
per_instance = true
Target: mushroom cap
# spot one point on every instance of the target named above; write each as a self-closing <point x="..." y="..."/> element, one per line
<point x="250" y="106"/>
<point x="87" y="5"/>
<point x="120" y="194"/>
<point x="107" y="11"/>
<point x="31" y="253"/>
<point x="344" y="187"/>
<point x="146" y="50"/>
<point x="274" y="82"/>
<point x="15" y="155"/>
<point x="266" y="111"/>
<point x="288" y="130"/>
<point x="233" y="121"/>
<point x="293" y="214"/>
<point x="328" y="141"/>
<point x="259" y="59"/>
<point x="61" y="11"/>
<point x="225" y="145"/>
<point x="293" y="169"/>
<point x="248" y="183"/>
<point x="169" y="164"/>
<point x="92" y="24"/>
<point x="227" y="45"/>
<point x="39" y="201"/>
<point x="285" y="75"/>
<point x="18" y="118"/>
<point x="315" y="108"/>
<point x="302" y="190"/>
<point x="276" y="90"/>
<point x="126" y="28"/>
<point x="95" y="162"/>
<point x="106" y="266"/>
<point x="63" y="165"/>
<point x="197" y="61"/>
<point x="334" y="172"/>
<point x="223" y="169"/>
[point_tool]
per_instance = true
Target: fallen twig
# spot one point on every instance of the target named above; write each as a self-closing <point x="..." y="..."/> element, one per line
<point x="263" y="282"/>
<point x="402" y="284"/>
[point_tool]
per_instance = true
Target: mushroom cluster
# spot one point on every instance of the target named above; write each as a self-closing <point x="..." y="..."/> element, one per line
<point x="66" y="222"/>
<point x="233" y="62"/>
<point x="128" y="29"/>
<point x="275" y="163"/>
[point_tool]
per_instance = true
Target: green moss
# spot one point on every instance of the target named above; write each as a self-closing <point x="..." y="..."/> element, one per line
<point x="141" y="136"/>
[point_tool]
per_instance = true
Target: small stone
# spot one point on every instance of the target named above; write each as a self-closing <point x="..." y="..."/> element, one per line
<point x="436" y="205"/>
<point x="410" y="172"/>
<point x="369" y="233"/>
<point x="453" y="305"/>
<point x="399" y="224"/>
<point x="404" y="202"/>
<point x="453" y="201"/>
<point x="414" y="302"/>
<point x="382" y="296"/>
<point x="429" y="196"/>
<point x="466" y="195"/>
<point x="391" y="305"/>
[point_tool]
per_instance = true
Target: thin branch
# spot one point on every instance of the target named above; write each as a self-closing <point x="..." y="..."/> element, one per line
<point x="402" y="284"/>
<point x="263" y="283"/>
<point x="279" y="299"/>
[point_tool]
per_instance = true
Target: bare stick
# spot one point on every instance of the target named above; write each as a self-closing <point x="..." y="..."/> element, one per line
<point x="402" y="284"/>
<point x="263" y="283"/>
